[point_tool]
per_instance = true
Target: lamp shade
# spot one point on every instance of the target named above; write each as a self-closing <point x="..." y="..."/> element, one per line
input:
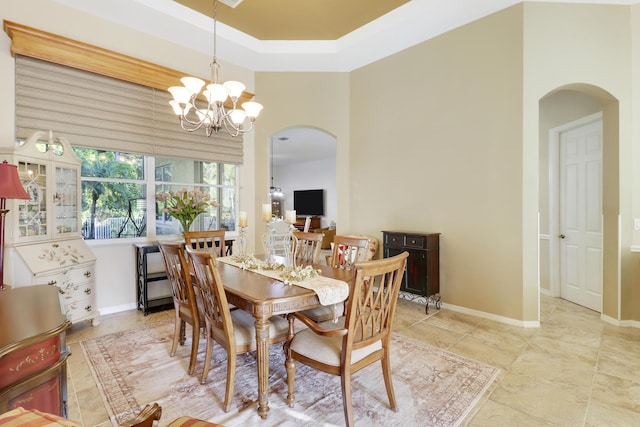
<point x="10" y="185"/>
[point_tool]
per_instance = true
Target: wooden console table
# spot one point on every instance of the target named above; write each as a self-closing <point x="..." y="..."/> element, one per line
<point x="33" y="350"/>
<point x="422" y="274"/>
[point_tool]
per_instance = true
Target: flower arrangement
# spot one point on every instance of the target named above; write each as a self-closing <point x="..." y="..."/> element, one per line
<point x="291" y="275"/>
<point x="185" y="205"/>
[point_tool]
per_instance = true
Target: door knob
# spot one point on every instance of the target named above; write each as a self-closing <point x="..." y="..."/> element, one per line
<point x="562" y="236"/>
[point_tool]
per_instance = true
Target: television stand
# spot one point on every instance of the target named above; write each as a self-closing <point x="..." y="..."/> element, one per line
<point x="300" y="220"/>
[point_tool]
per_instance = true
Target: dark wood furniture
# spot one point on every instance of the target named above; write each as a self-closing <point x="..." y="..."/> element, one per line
<point x="422" y="276"/>
<point x="33" y="350"/>
<point x="145" y="277"/>
<point x="264" y="297"/>
<point x="300" y="221"/>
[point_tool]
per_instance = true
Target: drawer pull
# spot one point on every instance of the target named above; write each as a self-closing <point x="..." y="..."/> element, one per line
<point x="88" y="307"/>
<point x="413" y="242"/>
<point x="53" y="282"/>
<point x="87" y="291"/>
<point x="87" y="274"/>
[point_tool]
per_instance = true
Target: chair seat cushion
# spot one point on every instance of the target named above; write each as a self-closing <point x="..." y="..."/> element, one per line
<point x="327" y="349"/>
<point x="245" y="330"/>
<point x="324" y="313"/>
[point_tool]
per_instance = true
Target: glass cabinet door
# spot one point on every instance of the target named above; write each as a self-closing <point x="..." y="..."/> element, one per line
<point x="65" y="201"/>
<point x="32" y="213"/>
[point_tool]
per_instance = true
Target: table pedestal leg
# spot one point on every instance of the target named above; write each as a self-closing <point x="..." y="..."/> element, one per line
<point x="262" y="354"/>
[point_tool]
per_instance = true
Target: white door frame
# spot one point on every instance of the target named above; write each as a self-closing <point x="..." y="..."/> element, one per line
<point x="554" y="197"/>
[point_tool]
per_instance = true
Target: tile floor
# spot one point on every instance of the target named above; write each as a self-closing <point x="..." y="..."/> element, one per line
<point x="575" y="370"/>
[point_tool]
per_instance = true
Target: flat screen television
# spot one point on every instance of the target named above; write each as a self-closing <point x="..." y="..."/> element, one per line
<point x="308" y="202"/>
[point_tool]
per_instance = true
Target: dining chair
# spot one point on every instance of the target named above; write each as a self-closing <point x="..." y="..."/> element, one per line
<point x="184" y="300"/>
<point x="360" y="338"/>
<point x="207" y="240"/>
<point x="306" y="246"/>
<point x="234" y="330"/>
<point x="347" y="250"/>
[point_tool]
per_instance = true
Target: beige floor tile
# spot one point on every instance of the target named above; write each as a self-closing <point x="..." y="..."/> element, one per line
<point x="617" y="392"/>
<point x="559" y="404"/>
<point x="497" y="415"/>
<point x="501" y="355"/>
<point x="602" y="414"/>
<point x="433" y="335"/>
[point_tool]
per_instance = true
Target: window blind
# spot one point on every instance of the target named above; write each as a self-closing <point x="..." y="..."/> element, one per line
<point x="97" y="111"/>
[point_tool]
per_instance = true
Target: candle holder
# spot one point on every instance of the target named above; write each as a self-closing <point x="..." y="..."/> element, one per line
<point x="267" y="240"/>
<point x="242" y="241"/>
<point x="290" y="243"/>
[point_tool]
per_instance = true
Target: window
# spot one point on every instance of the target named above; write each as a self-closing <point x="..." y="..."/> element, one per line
<point x="115" y="203"/>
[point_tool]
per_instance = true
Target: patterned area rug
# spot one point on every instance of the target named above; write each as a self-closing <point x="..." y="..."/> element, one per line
<point x="433" y="387"/>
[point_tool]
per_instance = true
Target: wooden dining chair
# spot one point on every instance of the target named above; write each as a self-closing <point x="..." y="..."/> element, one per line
<point x="184" y="300"/>
<point x="208" y="240"/>
<point x="306" y="247"/>
<point x="232" y="329"/>
<point x="361" y="337"/>
<point x="347" y="250"/>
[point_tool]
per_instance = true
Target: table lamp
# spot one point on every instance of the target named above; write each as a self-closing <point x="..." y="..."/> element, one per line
<point x="10" y="188"/>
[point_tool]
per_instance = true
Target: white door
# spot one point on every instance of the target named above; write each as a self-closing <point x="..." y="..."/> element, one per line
<point x="581" y="215"/>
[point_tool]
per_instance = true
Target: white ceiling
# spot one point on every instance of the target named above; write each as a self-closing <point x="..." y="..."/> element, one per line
<point x="410" y="24"/>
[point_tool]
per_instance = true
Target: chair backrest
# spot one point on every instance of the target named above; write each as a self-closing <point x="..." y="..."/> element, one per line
<point x="306" y="246"/>
<point x="208" y="240"/>
<point x="214" y="301"/>
<point x="178" y="275"/>
<point x="347" y="250"/>
<point x="372" y="300"/>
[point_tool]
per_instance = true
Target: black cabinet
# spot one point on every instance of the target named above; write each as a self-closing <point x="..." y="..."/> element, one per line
<point x="422" y="275"/>
<point x="145" y="277"/>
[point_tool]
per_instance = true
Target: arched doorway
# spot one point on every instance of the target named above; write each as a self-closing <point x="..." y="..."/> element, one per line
<point x="304" y="158"/>
<point x="558" y="110"/>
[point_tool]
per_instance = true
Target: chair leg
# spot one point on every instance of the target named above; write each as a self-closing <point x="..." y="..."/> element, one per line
<point x="176" y="335"/>
<point x="183" y="328"/>
<point x="207" y="359"/>
<point x="386" y="372"/>
<point x="345" y="378"/>
<point x="231" y="378"/>
<point x="195" y="340"/>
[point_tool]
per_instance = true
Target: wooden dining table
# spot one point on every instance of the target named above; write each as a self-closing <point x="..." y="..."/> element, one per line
<point x="264" y="297"/>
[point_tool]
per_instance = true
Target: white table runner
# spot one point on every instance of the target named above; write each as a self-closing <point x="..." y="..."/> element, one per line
<point x="330" y="291"/>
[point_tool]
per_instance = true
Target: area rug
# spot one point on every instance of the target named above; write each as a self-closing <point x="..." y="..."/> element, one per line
<point x="433" y="387"/>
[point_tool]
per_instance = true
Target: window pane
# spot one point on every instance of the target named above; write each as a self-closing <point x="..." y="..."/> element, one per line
<point x="110" y="164"/>
<point x="229" y="174"/>
<point x="228" y="209"/>
<point x="112" y="210"/>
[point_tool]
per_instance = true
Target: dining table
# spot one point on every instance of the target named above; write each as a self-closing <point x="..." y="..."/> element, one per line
<point x="263" y="297"/>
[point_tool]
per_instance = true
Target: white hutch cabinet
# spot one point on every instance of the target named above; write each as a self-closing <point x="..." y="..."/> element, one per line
<point x="43" y="233"/>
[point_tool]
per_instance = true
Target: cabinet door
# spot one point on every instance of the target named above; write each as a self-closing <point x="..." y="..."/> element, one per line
<point x="32" y="213"/>
<point x="415" y="273"/>
<point x="65" y="200"/>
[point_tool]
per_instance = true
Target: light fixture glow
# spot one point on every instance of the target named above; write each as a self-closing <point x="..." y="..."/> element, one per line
<point x="215" y="116"/>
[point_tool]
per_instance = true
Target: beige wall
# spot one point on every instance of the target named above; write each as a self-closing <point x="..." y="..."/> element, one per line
<point x="585" y="45"/>
<point x="317" y="100"/>
<point x="436" y="147"/>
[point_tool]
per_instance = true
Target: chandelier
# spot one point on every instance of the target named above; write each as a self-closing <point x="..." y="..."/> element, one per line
<point x="215" y="116"/>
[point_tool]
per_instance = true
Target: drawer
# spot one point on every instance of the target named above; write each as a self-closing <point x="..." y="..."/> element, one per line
<point x="417" y="242"/>
<point x="74" y="275"/>
<point x="78" y="310"/>
<point x="76" y="291"/>
<point x="392" y="239"/>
